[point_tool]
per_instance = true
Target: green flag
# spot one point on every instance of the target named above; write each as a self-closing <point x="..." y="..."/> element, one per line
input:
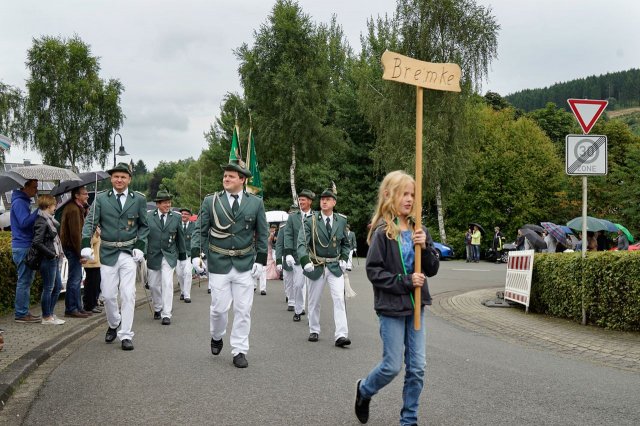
<point x="254" y="184"/>
<point x="235" y="154"/>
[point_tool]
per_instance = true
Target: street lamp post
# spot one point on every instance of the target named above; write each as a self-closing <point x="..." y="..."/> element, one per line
<point x="121" y="151"/>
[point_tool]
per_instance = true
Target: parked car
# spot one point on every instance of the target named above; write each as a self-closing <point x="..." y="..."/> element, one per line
<point x="444" y="251"/>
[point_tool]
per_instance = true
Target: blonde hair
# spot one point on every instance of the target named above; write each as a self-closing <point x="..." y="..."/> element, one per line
<point x="46" y="201"/>
<point x="391" y="189"/>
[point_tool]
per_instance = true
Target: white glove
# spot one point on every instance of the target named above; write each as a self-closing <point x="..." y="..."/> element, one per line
<point x="343" y="265"/>
<point x="137" y="255"/>
<point x="308" y="267"/>
<point x="197" y="265"/>
<point x="290" y="260"/>
<point x="256" y="271"/>
<point x="87" y="253"/>
<point x="279" y="267"/>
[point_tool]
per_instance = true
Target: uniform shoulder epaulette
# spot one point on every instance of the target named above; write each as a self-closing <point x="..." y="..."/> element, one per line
<point x="140" y="193"/>
<point x="343" y="216"/>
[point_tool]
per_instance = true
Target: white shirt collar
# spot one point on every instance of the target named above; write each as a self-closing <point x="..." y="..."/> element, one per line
<point x="125" y="192"/>
<point x="230" y="198"/>
<point x="324" y="218"/>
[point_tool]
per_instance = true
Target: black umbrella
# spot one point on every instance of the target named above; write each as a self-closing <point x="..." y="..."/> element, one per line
<point x="472" y="224"/>
<point x="85" y="179"/>
<point x="534" y="239"/>
<point x="536" y="228"/>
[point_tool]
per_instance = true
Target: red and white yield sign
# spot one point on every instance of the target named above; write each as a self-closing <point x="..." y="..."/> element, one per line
<point x="587" y="111"/>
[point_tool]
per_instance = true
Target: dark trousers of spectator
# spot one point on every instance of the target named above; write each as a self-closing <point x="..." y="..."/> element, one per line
<point x="91" y="288"/>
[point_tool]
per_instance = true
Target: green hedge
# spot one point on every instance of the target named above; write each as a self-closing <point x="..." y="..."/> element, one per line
<point x="8" y="277"/>
<point x="611" y="287"/>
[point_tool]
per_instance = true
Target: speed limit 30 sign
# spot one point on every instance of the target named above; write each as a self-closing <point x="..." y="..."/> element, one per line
<point x="586" y="155"/>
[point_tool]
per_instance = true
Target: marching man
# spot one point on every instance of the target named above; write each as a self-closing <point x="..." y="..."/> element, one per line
<point x="291" y="232"/>
<point x="122" y="217"/>
<point x="166" y="249"/>
<point x="323" y="249"/>
<point x="183" y="270"/>
<point x="353" y="246"/>
<point x="228" y="224"/>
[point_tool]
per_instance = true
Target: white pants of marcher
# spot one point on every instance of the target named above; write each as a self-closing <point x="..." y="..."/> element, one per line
<point x="123" y="276"/>
<point x="161" y="285"/>
<point x="299" y="289"/>
<point x="183" y="271"/>
<point x="350" y="261"/>
<point x="336" y="286"/>
<point x="236" y="287"/>
<point x="287" y="277"/>
<point x="263" y="279"/>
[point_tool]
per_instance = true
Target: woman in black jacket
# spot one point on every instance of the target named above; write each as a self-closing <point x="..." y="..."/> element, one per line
<point x="49" y="247"/>
<point x="390" y="263"/>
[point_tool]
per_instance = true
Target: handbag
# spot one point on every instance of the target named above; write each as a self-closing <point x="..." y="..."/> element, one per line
<point x="33" y="259"/>
<point x="433" y="263"/>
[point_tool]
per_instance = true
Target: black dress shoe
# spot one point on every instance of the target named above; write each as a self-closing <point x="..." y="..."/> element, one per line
<point x="187" y="300"/>
<point x="208" y="291"/>
<point x="182" y="297"/>
<point x="240" y="361"/>
<point x="167" y="321"/>
<point x="296" y="317"/>
<point x="342" y="342"/>
<point x="127" y="345"/>
<point x="361" y="406"/>
<point x="216" y="346"/>
<point x="156" y="315"/>
<point x="313" y="337"/>
<point x="290" y="308"/>
<point x="303" y="312"/>
<point x="111" y="334"/>
<point x="263" y="293"/>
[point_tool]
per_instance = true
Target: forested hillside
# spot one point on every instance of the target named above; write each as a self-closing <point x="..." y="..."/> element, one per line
<point x="621" y="89"/>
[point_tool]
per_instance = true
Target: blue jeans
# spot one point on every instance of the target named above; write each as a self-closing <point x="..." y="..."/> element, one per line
<point x="476" y="252"/>
<point x="72" y="302"/>
<point x="23" y="286"/>
<point x="51" y="285"/>
<point x="398" y="336"/>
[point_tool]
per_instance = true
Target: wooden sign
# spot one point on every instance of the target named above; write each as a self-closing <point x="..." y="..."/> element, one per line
<point x="403" y="69"/>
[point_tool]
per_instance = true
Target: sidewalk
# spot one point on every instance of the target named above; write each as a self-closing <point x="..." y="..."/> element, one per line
<point x="605" y="347"/>
<point x="29" y="345"/>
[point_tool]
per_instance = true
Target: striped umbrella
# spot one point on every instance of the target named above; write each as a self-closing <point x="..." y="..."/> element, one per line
<point x="556" y="232"/>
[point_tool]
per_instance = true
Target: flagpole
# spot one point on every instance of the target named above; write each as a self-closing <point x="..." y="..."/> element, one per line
<point x="417" y="298"/>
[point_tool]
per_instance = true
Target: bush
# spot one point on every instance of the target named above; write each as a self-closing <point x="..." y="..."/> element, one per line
<point x="611" y="282"/>
<point x="8" y="277"/>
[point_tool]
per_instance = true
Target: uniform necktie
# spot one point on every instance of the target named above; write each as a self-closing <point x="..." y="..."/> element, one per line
<point x="119" y="196"/>
<point x="236" y="205"/>
<point x="184" y="226"/>
<point x="328" y="226"/>
<point x="162" y="219"/>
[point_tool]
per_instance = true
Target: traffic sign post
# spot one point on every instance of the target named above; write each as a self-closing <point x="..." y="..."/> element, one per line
<point x="586" y="155"/>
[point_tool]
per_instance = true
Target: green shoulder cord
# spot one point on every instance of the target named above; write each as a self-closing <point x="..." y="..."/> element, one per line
<point x="404" y="268"/>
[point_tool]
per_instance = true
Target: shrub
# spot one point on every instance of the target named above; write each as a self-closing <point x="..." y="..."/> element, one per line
<point x="611" y="283"/>
<point x="8" y="277"/>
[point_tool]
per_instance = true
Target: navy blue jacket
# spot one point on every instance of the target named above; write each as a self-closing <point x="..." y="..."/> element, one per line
<point x="22" y="220"/>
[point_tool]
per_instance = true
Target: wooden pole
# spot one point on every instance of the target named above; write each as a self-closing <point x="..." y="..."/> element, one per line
<point x="417" y="296"/>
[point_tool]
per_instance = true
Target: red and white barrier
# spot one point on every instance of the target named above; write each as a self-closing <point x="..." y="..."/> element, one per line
<point x="519" y="272"/>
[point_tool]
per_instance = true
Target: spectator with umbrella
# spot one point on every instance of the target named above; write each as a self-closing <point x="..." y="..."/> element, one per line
<point x="623" y="242"/>
<point x="533" y="241"/>
<point x="476" y="237"/>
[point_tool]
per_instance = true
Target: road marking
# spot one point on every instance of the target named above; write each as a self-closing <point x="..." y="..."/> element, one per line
<point x="470" y="269"/>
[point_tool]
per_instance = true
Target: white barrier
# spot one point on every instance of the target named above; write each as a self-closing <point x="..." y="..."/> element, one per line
<point x="519" y="272"/>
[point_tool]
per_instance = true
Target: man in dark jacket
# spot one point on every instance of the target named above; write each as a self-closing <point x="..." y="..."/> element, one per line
<point x="22" y="220"/>
<point x="71" y="223"/>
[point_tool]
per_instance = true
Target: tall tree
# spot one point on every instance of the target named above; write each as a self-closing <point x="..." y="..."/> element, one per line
<point x="285" y="76"/>
<point x="11" y="110"/>
<point x="434" y="31"/>
<point x="71" y="113"/>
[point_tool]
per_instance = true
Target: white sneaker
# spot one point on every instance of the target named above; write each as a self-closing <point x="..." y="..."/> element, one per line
<point x="53" y="321"/>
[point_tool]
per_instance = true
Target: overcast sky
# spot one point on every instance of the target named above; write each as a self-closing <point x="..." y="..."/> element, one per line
<point x="176" y="61"/>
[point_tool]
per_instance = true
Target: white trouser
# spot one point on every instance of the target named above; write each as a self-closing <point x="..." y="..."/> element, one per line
<point x="236" y="287"/>
<point x="122" y="275"/>
<point x="287" y="277"/>
<point x="299" y="289"/>
<point x="183" y="271"/>
<point x="336" y="285"/>
<point x="161" y="284"/>
<point x="350" y="261"/>
<point x="263" y="279"/>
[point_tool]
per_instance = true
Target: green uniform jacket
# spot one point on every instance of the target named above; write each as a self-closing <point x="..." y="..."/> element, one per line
<point x="280" y="250"/>
<point x="187" y="236"/>
<point x="335" y="245"/>
<point x="352" y="240"/>
<point x="248" y="228"/>
<point x="117" y="224"/>
<point x="291" y="231"/>
<point x="167" y="241"/>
